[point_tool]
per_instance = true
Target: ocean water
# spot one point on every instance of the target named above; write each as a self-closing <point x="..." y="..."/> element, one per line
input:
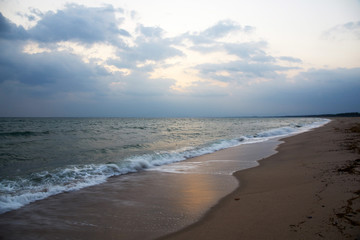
<point x="40" y="157"/>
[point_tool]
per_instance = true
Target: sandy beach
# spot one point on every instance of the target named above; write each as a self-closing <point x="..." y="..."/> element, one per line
<point x="308" y="190"/>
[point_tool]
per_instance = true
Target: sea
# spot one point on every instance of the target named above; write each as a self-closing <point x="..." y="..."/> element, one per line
<point x="42" y="157"/>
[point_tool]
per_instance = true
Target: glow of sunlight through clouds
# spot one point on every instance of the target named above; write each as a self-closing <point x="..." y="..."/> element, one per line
<point x="165" y="58"/>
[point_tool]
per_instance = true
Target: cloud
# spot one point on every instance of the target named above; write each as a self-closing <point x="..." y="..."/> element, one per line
<point x="330" y="77"/>
<point x="329" y="89"/>
<point x="158" y="49"/>
<point x="79" y="23"/>
<point x="9" y="30"/>
<point x="349" y="30"/>
<point x="240" y="71"/>
<point x="86" y="26"/>
<point x="219" y="30"/>
<point x="314" y="91"/>
<point x="252" y="64"/>
<point x="140" y="84"/>
<point x="34" y="15"/>
<point x="55" y="71"/>
<point x="151" y="32"/>
<point x="56" y="80"/>
<point x="68" y="73"/>
<point x="352" y="25"/>
<point x="248" y="50"/>
<point x="290" y="59"/>
<point x="149" y="45"/>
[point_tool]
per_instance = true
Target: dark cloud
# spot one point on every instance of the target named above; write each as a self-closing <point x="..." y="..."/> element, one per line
<point x="153" y="50"/>
<point x="64" y="71"/>
<point x="55" y="71"/>
<point x="36" y="84"/>
<point x="311" y="92"/>
<point x="330" y="76"/>
<point x="149" y="45"/>
<point x="9" y="30"/>
<point x="79" y="23"/>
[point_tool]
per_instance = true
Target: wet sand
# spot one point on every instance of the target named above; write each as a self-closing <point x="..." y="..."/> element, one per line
<point x="309" y="190"/>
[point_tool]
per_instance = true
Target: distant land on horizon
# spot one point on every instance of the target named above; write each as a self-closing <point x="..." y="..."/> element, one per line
<point x="348" y="114"/>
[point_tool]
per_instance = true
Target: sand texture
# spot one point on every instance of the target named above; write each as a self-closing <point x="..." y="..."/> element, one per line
<point x="308" y="190"/>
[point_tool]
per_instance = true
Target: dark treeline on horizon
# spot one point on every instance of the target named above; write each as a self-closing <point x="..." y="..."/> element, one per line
<point x="349" y="114"/>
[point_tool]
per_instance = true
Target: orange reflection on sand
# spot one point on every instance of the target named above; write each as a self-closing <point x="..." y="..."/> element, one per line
<point x="197" y="192"/>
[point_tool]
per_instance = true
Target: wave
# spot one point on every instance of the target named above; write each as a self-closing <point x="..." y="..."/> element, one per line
<point x="23" y="134"/>
<point x="294" y="129"/>
<point x="21" y="191"/>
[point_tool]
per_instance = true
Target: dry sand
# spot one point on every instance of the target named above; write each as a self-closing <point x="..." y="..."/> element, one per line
<point x="308" y="190"/>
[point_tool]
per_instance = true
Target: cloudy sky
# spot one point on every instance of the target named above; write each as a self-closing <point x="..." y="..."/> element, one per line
<point x="161" y="58"/>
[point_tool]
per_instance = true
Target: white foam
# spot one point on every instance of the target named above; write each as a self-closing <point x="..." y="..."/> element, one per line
<point x="286" y="131"/>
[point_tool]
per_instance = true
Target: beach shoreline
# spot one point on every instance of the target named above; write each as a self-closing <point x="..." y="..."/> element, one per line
<point x="200" y="198"/>
<point x="144" y="205"/>
<point x="308" y="190"/>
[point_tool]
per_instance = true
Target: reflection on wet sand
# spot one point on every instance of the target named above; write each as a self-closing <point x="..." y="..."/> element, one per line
<point x="139" y="206"/>
<point x="197" y="192"/>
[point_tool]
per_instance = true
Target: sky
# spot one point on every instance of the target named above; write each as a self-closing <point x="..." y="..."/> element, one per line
<point x="161" y="58"/>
